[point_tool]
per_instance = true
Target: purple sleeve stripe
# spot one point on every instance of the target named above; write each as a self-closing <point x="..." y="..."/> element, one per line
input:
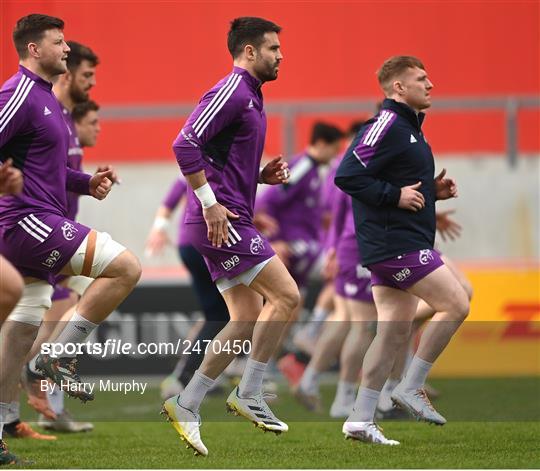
<point x="365" y="150"/>
<point x="216" y="104"/>
<point x="379" y="128"/>
<point x="15" y="102"/>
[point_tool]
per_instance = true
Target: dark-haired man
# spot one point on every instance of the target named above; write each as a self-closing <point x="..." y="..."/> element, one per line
<point x="389" y="172"/>
<point x="219" y="151"/>
<point x="297" y="206"/>
<point x="36" y="236"/>
<point x="70" y="88"/>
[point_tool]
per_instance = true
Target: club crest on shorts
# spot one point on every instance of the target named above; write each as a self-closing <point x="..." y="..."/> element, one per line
<point x="69" y="230"/>
<point x="425" y="256"/>
<point x="257" y="245"/>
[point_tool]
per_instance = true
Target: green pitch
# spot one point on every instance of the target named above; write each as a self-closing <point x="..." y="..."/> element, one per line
<point x="493" y="423"/>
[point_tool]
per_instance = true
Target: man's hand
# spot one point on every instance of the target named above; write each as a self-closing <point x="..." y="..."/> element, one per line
<point x="446" y="226"/>
<point x="101" y="184"/>
<point x="114" y="176"/>
<point x="411" y="199"/>
<point x="275" y="172"/>
<point x="11" y="178"/>
<point x="445" y="188"/>
<point x="217" y="221"/>
<point x="157" y="240"/>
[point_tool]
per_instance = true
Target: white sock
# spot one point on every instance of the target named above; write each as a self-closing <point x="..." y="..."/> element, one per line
<point x="390" y="385"/>
<point x="56" y="400"/>
<point x="75" y="331"/>
<point x="13" y="412"/>
<point x="252" y="379"/>
<point x="4" y="409"/>
<point x="310" y="380"/>
<point x="365" y="405"/>
<point x="385" y="399"/>
<point x="345" y="391"/>
<point x="416" y="374"/>
<point x="192" y="397"/>
<point x="32" y="365"/>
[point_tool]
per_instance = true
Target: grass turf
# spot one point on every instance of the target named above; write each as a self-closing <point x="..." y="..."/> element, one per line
<point x="503" y="431"/>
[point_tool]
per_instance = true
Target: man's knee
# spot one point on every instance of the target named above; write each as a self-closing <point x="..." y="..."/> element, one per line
<point x="288" y="299"/>
<point x="34" y="301"/>
<point x="130" y="268"/>
<point x="101" y="256"/>
<point x="467" y="286"/>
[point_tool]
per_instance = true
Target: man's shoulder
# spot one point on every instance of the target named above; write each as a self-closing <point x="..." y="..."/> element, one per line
<point x="231" y="87"/>
<point x="17" y="97"/>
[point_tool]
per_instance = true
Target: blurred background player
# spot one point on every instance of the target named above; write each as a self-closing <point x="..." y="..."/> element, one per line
<point x="349" y="331"/>
<point x="37" y="237"/>
<point x="212" y="303"/>
<point x="394" y="204"/>
<point x="298" y="208"/>
<point x="219" y="151"/>
<point x="293" y="365"/>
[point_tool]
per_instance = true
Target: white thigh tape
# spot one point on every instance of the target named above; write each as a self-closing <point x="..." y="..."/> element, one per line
<point x="105" y="251"/>
<point x="78" y="284"/>
<point x="35" y="300"/>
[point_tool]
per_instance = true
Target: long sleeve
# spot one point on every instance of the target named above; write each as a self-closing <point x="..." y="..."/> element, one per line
<point x="339" y="211"/>
<point x="175" y="194"/>
<point x="78" y="182"/>
<point x="359" y="172"/>
<point x="218" y="109"/>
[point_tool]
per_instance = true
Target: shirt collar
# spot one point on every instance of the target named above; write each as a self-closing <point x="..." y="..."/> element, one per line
<point x="253" y="82"/>
<point x="36" y="78"/>
<point x="404" y="110"/>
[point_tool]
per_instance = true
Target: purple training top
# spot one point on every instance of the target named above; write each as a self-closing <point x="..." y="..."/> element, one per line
<point x="172" y="199"/>
<point x="34" y="133"/>
<point x="297" y="205"/>
<point x="342" y="230"/>
<point x="74" y="161"/>
<point x="224" y="136"/>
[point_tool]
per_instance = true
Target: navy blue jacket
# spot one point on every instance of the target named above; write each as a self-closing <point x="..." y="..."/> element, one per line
<point x="388" y="153"/>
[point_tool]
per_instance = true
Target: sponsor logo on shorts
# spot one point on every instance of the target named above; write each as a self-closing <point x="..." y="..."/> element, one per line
<point x="69" y="230"/>
<point x="402" y="275"/>
<point x="425" y="256"/>
<point x="51" y="260"/>
<point x="230" y="263"/>
<point x="257" y="245"/>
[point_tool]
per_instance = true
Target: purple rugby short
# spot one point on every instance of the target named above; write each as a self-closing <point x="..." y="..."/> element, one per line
<point x="352" y="280"/>
<point x="41" y="244"/>
<point x="245" y="248"/>
<point x="403" y="271"/>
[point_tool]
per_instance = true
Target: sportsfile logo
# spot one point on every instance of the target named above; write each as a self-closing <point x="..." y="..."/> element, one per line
<point x="230" y="263"/>
<point x="51" y="260"/>
<point x="402" y="275"/>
